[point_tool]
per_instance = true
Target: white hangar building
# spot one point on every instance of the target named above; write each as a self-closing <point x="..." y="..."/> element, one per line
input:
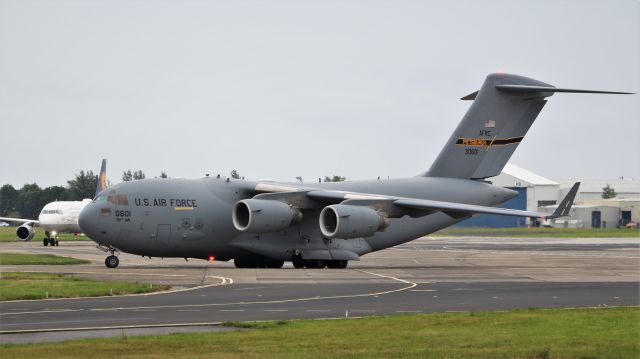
<point x="538" y="193"/>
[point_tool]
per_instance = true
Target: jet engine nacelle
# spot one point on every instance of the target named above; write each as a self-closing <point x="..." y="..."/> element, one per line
<point x="263" y="215"/>
<point x="25" y="232"/>
<point x="346" y="221"/>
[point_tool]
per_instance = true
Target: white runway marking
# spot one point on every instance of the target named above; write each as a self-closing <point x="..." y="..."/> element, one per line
<point x="182" y="306"/>
<point x="223" y="281"/>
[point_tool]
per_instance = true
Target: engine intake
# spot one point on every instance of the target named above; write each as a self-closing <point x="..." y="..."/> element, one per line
<point x="263" y="215"/>
<point x="346" y="221"/>
<point x="25" y="232"/>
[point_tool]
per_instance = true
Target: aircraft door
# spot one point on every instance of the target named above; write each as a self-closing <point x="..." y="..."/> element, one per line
<point x="163" y="235"/>
<point x="595" y="219"/>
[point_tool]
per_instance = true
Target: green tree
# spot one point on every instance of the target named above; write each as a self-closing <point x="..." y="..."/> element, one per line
<point x="29" y="204"/>
<point x="335" y="178"/>
<point x="608" y="192"/>
<point x="52" y="194"/>
<point x="127" y="176"/>
<point x="8" y="200"/>
<point x="81" y="187"/>
<point x="138" y="175"/>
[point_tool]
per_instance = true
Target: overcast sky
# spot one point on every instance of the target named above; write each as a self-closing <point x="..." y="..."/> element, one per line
<point x="279" y="89"/>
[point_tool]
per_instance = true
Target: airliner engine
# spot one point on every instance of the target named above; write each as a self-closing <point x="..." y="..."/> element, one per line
<point x="25" y="232"/>
<point x="346" y="221"/>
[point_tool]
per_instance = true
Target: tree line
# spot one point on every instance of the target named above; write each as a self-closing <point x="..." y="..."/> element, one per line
<point x="27" y="202"/>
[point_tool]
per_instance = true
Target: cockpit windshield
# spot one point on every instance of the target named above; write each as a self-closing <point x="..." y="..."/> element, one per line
<point x="100" y="198"/>
<point x="119" y="199"/>
<point x="51" y="211"/>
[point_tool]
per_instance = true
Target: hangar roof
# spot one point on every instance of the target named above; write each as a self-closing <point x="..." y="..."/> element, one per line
<point x="526" y="176"/>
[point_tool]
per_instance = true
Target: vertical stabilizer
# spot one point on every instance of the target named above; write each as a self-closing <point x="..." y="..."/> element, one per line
<point x="491" y="130"/>
<point x="102" y="177"/>
<point x="502" y="112"/>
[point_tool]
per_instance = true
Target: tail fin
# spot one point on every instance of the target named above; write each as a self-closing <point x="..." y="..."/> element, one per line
<point x="565" y="205"/>
<point x="102" y="178"/>
<point x="502" y="112"/>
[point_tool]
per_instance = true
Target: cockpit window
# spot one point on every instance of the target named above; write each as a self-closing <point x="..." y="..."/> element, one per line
<point x="51" y="211"/>
<point x="119" y="199"/>
<point x="100" y="198"/>
<point x="123" y="200"/>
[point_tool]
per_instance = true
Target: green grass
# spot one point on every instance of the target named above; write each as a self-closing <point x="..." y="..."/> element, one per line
<point x="8" y="234"/>
<point x="556" y="333"/>
<point x="24" y="285"/>
<point x="37" y="259"/>
<point x="538" y="232"/>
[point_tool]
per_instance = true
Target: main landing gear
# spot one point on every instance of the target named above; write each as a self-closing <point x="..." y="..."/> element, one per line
<point x="50" y="239"/>
<point x="299" y="262"/>
<point x="257" y="263"/>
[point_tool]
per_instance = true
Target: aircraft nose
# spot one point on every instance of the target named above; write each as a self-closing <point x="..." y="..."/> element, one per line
<point x="87" y="220"/>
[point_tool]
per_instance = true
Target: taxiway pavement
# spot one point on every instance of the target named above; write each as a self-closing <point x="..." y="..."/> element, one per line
<point x="426" y="275"/>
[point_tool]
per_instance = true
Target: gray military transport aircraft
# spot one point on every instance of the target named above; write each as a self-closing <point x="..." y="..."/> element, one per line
<point x="264" y="224"/>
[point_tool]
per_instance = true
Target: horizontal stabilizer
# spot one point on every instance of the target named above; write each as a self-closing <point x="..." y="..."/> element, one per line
<point x="471" y="96"/>
<point x="535" y="89"/>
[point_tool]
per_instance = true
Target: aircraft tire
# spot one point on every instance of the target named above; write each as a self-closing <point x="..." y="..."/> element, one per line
<point x="111" y="262"/>
<point x="239" y="263"/>
<point x="314" y="264"/>
<point x="45" y="241"/>
<point x="298" y="262"/>
<point x="338" y="264"/>
<point x="57" y="243"/>
<point x="52" y="242"/>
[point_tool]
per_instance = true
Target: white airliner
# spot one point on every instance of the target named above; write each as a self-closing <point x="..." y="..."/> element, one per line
<point x="57" y="217"/>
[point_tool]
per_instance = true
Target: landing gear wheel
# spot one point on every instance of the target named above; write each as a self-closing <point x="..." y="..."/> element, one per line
<point x="239" y="263"/>
<point x="52" y="242"/>
<point x="45" y="241"/>
<point x="111" y="262"/>
<point x="315" y="263"/>
<point x="57" y="243"/>
<point x="339" y="264"/>
<point x="298" y="262"/>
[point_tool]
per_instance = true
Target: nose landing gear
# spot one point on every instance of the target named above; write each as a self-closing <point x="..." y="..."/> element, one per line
<point x="50" y="239"/>
<point x="111" y="261"/>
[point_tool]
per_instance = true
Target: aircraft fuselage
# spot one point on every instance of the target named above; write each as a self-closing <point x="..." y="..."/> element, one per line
<point x="192" y="217"/>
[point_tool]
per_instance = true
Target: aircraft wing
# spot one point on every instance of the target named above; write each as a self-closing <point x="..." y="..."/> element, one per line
<point x="21" y="220"/>
<point x="399" y="206"/>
